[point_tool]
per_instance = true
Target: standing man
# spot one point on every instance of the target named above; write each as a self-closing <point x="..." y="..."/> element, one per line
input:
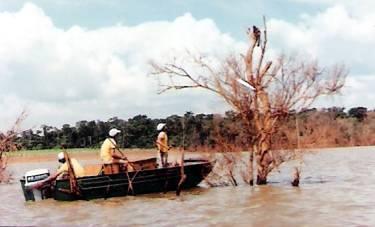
<point x="162" y="144"/>
<point x="108" y="149"/>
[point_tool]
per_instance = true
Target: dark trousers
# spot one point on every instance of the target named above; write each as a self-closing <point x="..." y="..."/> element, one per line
<point x="164" y="158"/>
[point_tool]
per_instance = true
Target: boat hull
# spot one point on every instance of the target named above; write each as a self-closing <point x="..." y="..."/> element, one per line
<point x="133" y="183"/>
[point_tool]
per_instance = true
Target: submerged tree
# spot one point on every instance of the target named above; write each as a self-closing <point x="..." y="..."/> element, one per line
<point x="7" y="144"/>
<point x="262" y="92"/>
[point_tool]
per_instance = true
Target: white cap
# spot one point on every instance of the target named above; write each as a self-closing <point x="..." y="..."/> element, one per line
<point x="60" y="156"/>
<point x="160" y="126"/>
<point x="114" y="132"/>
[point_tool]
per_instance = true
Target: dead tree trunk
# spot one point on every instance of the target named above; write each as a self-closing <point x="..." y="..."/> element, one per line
<point x="263" y="158"/>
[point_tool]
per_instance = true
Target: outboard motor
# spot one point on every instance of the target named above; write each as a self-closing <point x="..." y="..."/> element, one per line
<point x="31" y="178"/>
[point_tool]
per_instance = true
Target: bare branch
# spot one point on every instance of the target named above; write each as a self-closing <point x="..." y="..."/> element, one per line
<point x="7" y="144"/>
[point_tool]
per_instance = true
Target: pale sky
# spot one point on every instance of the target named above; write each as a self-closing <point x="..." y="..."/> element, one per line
<point x="68" y="60"/>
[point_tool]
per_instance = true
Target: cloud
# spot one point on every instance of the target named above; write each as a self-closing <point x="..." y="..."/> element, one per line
<point x="359" y="91"/>
<point x="357" y="7"/>
<point x="337" y="34"/>
<point x="63" y="76"/>
<point x="332" y="34"/>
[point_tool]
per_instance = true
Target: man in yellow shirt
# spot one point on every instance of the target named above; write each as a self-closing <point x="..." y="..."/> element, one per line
<point x="63" y="169"/>
<point x="162" y="144"/>
<point x="108" y="149"/>
<point x="77" y="168"/>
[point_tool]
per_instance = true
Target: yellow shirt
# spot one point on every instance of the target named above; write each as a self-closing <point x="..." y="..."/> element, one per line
<point x="78" y="169"/>
<point x="106" y="150"/>
<point x="162" y="142"/>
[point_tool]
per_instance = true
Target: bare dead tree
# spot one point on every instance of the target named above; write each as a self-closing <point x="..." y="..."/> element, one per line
<point x="263" y="92"/>
<point x="7" y="144"/>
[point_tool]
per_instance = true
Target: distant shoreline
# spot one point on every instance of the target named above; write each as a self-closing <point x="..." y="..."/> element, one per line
<point x="132" y="154"/>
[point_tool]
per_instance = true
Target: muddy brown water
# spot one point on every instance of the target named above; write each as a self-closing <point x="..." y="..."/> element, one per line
<point x="337" y="189"/>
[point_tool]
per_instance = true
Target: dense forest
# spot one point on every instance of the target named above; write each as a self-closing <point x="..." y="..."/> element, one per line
<point x="326" y="127"/>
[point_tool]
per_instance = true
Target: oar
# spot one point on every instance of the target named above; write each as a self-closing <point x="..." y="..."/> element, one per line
<point x="130" y="181"/>
<point x="72" y="176"/>
<point x="182" y="171"/>
<point x="183" y="176"/>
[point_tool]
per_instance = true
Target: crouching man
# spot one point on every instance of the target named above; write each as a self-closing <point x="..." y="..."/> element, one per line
<point x="63" y="169"/>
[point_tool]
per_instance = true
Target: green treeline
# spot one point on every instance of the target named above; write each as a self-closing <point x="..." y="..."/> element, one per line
<point x="137" y="132"/>
<point x="212" y="131"/>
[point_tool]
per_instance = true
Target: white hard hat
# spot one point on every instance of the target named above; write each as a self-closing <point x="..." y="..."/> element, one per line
<point x="160" y="126"/>
<point x="60" y="156"/>
<point x="114" y="132"/>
